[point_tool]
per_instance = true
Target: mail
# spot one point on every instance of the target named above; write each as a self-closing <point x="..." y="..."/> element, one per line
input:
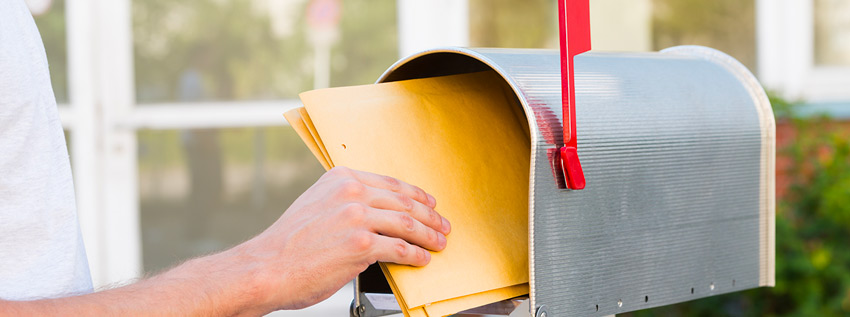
<point x="463" y="139"/>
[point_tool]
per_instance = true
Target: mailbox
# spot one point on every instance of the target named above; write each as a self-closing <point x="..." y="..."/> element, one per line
<point x="678" y="151"/>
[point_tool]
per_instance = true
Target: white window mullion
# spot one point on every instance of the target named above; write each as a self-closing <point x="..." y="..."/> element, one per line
<point x="119" y="171"/>
<point x="79" y="117"/>
<point x="100" y="68"/>
<point x="428" y="24"/>
<point x="785" y="38"/>
<point x="786" y="48"/>
<point x="209" y="115"/>
<point x="769" y="40"/>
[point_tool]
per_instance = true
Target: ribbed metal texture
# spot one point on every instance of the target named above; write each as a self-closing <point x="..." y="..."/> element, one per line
<point x="671" y="147"/>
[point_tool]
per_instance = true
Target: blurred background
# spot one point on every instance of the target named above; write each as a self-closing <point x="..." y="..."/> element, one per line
<point x="173" y="114"/>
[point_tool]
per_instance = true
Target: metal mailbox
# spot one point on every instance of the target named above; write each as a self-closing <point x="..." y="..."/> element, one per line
<point x="678" y="152"/>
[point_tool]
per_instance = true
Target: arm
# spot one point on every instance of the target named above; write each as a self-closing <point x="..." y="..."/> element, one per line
<point x="347" y="220"/>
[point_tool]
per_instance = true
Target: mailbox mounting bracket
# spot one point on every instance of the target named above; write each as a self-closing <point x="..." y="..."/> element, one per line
<point x="574" y="18"/>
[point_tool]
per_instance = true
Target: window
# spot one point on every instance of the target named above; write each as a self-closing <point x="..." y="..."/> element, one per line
<point x="514" y="24"/>
<point x="622" y="25"/>
<point x="206" y="190"/>
<point x="205" y="186"/>
<point x="803" y="48"/>
<point x="253" y="49"/>
<point x="832" y="32"/>
<point x="725" y="25"/>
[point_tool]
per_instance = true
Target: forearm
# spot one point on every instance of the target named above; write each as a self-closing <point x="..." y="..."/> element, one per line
<point x="218" y="285"/>
<point x="346" y="221"/>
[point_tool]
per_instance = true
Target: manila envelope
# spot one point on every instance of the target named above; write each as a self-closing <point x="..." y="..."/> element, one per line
<point x="461" y="138"/>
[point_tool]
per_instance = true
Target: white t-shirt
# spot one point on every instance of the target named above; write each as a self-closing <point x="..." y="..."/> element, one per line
<point x="41" y="247"/>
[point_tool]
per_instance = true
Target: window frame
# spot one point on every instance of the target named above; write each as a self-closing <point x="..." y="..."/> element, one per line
<point x="103" y="120"/>
<point x="786" y="63"/>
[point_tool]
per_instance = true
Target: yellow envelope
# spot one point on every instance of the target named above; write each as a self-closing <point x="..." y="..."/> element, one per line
<point x="461" y="139"/>
<point x="299" y="124"/>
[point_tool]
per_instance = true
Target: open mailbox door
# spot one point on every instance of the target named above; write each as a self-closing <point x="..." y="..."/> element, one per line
<point x="673" y="199"/>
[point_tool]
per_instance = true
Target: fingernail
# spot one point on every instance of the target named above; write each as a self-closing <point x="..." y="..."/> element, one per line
<point x="447" y="227"/>
<point x="442" y="242"/>
<point x="432" y="201"/>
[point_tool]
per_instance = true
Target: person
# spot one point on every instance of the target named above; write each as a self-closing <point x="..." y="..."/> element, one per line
<point x="346" y="221"/>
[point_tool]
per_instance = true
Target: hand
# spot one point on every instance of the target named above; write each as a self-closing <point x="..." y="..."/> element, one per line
<point x="346" y="221"/>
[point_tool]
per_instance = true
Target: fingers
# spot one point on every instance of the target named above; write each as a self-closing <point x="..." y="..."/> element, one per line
<point x="389" y="249"/>
<point x="396" y="220"/>
<point x="402" y="225"/>
<point x="385" y="199"/>
<point x="395" y="185"/>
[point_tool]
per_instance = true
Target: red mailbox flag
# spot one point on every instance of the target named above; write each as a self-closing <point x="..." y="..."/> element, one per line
<point x="574" y="17"/>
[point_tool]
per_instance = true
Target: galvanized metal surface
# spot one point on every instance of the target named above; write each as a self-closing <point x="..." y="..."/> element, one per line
<point x="677" y="151"/>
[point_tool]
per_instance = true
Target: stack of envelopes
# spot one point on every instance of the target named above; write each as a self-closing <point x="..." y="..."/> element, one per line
<point x="463" y="139"/>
